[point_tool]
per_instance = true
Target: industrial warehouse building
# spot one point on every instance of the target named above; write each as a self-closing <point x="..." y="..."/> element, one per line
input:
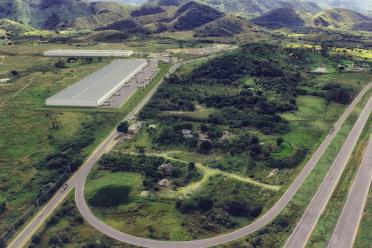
<point x="88" y="53"/>
<point x="98" y="87"/>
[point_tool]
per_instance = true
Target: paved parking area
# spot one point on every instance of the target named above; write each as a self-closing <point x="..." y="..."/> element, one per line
<point x="140" y="80"/>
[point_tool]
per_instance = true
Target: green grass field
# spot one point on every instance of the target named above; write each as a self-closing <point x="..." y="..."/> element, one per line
<point x="27" y="135"/>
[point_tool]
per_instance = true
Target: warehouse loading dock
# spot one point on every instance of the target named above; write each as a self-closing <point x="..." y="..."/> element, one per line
<point x="97" y="88"/>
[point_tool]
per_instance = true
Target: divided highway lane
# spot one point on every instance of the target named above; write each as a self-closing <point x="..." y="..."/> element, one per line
<point x="319" y="202"/>
<point x="261" y="222"/>
<point x="348" y="224"/>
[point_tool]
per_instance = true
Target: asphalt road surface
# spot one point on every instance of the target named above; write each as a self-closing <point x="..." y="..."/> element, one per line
<point x="348" y="223"/>
<point x="261" y="222"/>
<point x="307" y="223"/>
<point x="79" y="178"/>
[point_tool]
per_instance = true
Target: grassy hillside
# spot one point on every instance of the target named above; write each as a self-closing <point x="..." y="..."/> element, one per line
<point x="186" y="17"/>
<point x="250" y="6"/>
<point x="364" y="26"/>
<point x="226" y="26"/>
<point x="12" y="27"/>
<point x="338" y="18"/>
<point x="52" y="14"/>
<point x="279" y="18"/>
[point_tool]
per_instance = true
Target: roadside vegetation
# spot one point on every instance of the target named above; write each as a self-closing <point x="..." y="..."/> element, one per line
<point x="230" y="132"/>
<point x="39" y="149"/>
<point x="67" y="228"/>
<point x="275" y="234"/>
<point x="364" y="235"/>
<point x="327" y="222"/>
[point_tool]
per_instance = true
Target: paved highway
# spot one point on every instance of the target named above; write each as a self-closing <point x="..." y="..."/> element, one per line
<point x="261" y="222"/>
<point x="319" y="202"/>
<point x="80" y="176"/>
<point x="347" y="226"/>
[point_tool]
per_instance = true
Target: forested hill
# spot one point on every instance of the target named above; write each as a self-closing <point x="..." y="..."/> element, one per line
<point x="51" y="14"/>
<point x="248" y="87"/>
<point x="249" y="6"/>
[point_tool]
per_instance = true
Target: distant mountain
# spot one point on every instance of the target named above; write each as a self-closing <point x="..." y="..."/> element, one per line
<point x="280" y="18"/>
<point x="51" y="14"/>
<point x="363" y="26"/>
<point x="226" y="26"/>
<point x="330" y="18"/>
<point x="189" y="16"/>
<point x="134" y="2"/>
<point x="358" y="5"/>
<point x="338" y="18"/>
<point x="249" y="6"/>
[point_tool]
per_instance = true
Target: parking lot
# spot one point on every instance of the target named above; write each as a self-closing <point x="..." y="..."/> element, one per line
<point x="140" y="80"/>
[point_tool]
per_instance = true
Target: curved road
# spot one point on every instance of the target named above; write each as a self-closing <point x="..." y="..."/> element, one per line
<point x="79" y="178"/>
<point x="25" y="235"/>
<point x="321" y="198"/>
<point x="347" y="227"/>
<point x="261" y="222"/>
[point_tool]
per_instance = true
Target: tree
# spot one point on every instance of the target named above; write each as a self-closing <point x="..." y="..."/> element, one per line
<point x="191" y="166"/>
<point x="205" y="147"/>
<point x="60" y="64"/>
<point x="279" y="141"/>
<point x="2" y="204"/>
<point x="205" y="204"/>
<point x="14" y="73"/>
<point x="123" y="127"/>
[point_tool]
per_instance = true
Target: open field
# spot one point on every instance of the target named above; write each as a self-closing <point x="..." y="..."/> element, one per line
<point x="28" y="136"/>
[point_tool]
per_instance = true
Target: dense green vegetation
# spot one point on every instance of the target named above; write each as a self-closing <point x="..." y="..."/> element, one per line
<point x="234" y="127"/>
<point x="275" y="234"/>
<point x="110" y="196"/>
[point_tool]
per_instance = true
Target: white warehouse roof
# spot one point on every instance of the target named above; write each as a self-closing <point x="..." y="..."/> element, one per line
<point x="95" y="89"/>
<point x="88" y="53"/>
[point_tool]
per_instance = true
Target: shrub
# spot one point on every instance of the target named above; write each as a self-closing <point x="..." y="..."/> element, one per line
<point x="110" y="196"/>
<point x="340" y="95"/>
<point x="2" y="204"/>
<point x="123" y="127"/>
<point x="241" y="208"/>
<point x="205" y="147"/>
<point x="205" y="204"/>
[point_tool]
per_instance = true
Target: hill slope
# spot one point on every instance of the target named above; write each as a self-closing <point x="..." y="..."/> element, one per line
<point x="280" y="18"/>
<point x="338" y="18"/>
<point x="226" y="26"/>
<point x="186" y="17"/>
<point x="255" y="7"/>
<point x="358" y="5"/>
<point x="363" y="26"/>
<point x="51" y="14"/>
